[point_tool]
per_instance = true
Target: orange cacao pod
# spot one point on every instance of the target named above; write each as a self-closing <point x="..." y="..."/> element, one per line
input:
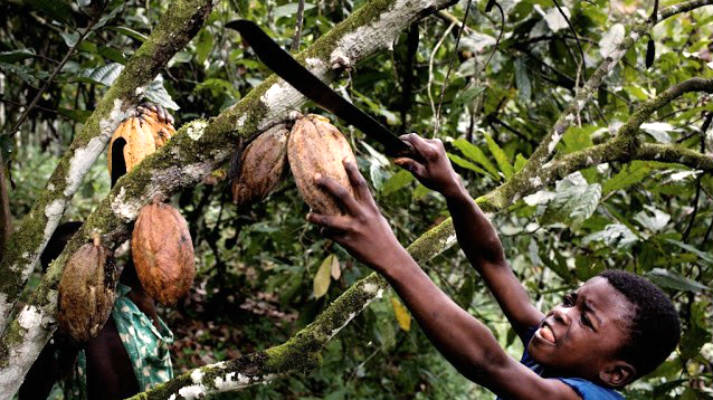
<point x="162" y="251"/>
<point x="262" y="165"/>
<point x="142" y="137"/>
<point x="86" y="292"/>
<point x="316" y="146"/>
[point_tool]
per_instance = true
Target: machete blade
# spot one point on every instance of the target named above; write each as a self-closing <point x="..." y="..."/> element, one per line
<point x="299" y="77"/>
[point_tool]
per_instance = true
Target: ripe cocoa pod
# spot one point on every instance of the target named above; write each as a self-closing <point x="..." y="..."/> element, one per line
<point x="162" y="251"/>
<point x="86" y="292"/>
<point x="262" y="165"/>
<point x="161" y="131"/>
<point x="316" y="146"/>
<point x="139" y="143"/>
<point x="143" y="136"/>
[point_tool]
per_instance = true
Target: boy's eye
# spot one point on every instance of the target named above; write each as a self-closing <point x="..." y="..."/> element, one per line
<point x="586" y="320"/>
<point x="569" y="300"/>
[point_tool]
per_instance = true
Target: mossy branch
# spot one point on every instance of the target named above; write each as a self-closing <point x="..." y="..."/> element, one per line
<point x="176" y="28"/>
<point x="193" y="153"/>
<point x="686" y="6"/>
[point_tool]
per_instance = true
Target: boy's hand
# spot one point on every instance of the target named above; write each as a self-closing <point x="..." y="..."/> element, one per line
<point x="363" y="231"/>
<point x="435" y="172"/>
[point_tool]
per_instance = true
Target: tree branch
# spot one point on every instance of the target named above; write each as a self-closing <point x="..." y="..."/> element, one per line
<point x="682" y="7"/>
<point x="22" y="251"/>
<point x="194" y="152"/>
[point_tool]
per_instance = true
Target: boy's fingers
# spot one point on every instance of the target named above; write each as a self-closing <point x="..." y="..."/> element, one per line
<point x="421" y="146"/>
<point x="412" y="166"/>
<point x="357" y="180"/>
<point x="331" y="222"/>
<point x="338" y="191"/>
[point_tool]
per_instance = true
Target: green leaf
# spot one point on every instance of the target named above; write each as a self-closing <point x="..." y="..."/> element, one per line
<point x="702" y="255"/>
<point x="321" y="281"/>
<point x="420" y="192"/>
<point x="578" y="138"/>
<point x="672" y="280"/>
<point x="290" y="9"/>
<point x="59" y="10"/>
<point x="520" y="162"/>
<point x="104" y="75"/>
<point x="157" y="94"/>
<point x="70" y="38"/>
<point x="466" y="164"/>
<point x="500" y="157"/>
<point x="130" y="33"/>
<point x="204" y="45"/>
<point x="614" y="236"/>
<point x="16" y="55"/>
<point x="474" y="153"/>
<point x="632" y="174"/>
<point x="522" y="80"/>
<point x="574" y="201"/>
<point x="397" y="182"/>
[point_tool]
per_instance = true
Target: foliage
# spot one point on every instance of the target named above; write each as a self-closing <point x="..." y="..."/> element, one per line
<point x="257" y="266"/>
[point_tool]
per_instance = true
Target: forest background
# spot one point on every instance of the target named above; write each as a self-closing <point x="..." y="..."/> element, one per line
<point x="580" y="126"/>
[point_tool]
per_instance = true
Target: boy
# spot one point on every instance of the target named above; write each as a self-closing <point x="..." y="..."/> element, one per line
<point x="614" y="329"/>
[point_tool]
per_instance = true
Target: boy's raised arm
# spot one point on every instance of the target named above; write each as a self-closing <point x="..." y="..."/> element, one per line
<point x="462" y="339"/>
<point x="476" y="235"/>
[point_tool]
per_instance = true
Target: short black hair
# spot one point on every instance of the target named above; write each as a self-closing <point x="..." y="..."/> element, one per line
<point x="654" y="330"/>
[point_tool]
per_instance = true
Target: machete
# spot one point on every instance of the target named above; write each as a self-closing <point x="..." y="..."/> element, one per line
<point x="299" y="77"/>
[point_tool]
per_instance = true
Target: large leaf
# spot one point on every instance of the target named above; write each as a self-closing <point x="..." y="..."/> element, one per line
<point x="156" y="93"/>
<point x="461" y="162"/>
<point x="474" y="153"/>
<point x="574" y="201"/>
<point x="702" y="255"/>
<point x="397" y="181"/>
<point x="670" y="279"/>
<point x="500" y="157"/>
<point x="104" y="75"/>
<point x="613" y="235"/>
<point x="321" y="281"/>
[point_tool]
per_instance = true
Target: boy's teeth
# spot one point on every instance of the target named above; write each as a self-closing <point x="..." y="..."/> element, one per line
<point x="547" y="334"/>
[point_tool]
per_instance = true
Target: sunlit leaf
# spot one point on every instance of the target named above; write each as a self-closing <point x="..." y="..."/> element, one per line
<point x="500" y="157"/>
<point x="402" y="315"/>
<point x="321" y="281"/>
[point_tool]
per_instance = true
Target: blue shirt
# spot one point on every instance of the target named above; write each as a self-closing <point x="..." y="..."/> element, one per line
<point x="587" y="390"/>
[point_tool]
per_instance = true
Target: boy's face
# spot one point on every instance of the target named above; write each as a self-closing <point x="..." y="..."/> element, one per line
<point x="583" y="335"/>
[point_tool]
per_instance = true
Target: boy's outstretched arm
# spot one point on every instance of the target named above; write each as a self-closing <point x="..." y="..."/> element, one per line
<point x="462" y="339"/>
<point x="476" y="235"/>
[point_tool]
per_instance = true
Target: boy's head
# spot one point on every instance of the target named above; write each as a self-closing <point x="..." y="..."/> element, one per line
<point x="613" y="329"/>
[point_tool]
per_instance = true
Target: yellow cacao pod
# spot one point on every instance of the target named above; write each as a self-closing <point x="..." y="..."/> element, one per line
<point x="141" y="136"/>
<point x="316" y="146"/>
<point x="262" y="166"/>
<point x="86" y="292"/>
<point x="162" y="251"/>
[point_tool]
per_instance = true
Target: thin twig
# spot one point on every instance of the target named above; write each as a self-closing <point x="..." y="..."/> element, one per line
<point x="430" y="67"/>
<point x="298" y="30"/>
<point x="450" y="67"/>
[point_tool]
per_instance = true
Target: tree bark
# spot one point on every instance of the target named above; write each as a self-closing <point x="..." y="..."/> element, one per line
<point x="24" y="247"/>
<point x="201" y="146"/>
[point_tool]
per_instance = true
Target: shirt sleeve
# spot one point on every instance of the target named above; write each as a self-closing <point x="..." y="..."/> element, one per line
<point x="590" y="391"/>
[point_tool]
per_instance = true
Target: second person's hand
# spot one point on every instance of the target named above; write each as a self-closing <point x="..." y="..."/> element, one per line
<point x="434" y="170"/>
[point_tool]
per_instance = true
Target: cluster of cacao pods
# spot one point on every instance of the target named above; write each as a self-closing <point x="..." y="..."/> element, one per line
<point x="86" y="291"/>
<point x="313" y="146"/>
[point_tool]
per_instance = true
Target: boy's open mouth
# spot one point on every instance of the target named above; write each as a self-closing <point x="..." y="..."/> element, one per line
<point x="545" y="333"/>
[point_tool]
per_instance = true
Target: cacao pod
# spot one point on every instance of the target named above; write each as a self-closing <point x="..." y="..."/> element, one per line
<point x="162" y="251"/>
<point x="262" y="165"/>
<point x="316" y="146"/>
<point x="161" y="131"/>
<point x="142" y="135"/>
<point x="86" y="292"/>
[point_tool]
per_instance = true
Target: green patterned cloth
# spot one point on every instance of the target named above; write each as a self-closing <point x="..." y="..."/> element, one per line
<point x="147" y="346"/>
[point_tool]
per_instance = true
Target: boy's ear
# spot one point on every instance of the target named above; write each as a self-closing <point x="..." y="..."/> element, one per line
<point x="617" y="373"/>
